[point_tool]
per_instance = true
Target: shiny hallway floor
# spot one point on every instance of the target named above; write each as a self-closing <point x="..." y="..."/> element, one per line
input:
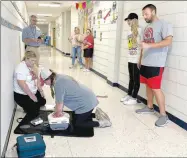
<point x="131" y="135"/>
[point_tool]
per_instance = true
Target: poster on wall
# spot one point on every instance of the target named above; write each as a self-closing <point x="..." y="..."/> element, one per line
<point x="107" y="15"/>
<point x="85" y="22"/>
<point x="99" y="14"/>
<point x="114" y="5"/>
<point x="94" y="20"/>
<point x="90" y="22"/>
<point x="94" y="33"/>
<point x="101" y="36"/>
<point x="114" y="16"/>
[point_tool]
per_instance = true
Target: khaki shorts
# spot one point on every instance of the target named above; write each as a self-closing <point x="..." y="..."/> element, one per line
<point x="36" y="50"/>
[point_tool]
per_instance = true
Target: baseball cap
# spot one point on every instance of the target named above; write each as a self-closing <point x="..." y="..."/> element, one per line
<point x="45" y="73"/>
<point x="131" y="16"/>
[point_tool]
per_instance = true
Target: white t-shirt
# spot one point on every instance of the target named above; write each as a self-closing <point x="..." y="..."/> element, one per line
<point x="134" y="53"/>
<point x="22" y="72"/>
<point x="75" y="43"/>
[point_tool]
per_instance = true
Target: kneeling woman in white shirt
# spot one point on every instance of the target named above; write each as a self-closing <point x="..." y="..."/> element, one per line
<point x="27" y="91"/>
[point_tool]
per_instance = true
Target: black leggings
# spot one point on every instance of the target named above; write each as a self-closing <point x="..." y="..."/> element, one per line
<point x="29" y="106"/>
<point x="85" y="120"/>
<point x="134" y="82"/>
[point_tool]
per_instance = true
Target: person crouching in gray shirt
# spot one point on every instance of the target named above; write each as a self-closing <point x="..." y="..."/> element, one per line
<point x="76" y="97"/>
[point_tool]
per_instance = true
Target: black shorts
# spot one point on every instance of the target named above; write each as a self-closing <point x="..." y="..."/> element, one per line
<point x="152" y="76"/>
<point x="88" y="53"/>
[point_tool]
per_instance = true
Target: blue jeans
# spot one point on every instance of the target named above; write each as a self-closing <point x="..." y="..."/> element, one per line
<point x="76" y="51"/>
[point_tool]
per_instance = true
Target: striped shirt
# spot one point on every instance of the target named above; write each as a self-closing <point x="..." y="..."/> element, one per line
<point x="31" y="32"/>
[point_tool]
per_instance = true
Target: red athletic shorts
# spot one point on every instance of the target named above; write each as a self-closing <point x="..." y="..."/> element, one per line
<point x="151" y="76"/>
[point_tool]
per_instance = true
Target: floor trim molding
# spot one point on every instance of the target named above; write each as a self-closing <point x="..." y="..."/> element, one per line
<point x="9" y="132"/>
<point x="66" y="54"/>
<point x="99" y="74"/>
<point x="173" y="118"/>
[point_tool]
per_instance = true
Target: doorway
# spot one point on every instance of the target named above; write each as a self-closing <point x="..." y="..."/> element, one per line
<point x="54" y="37"/>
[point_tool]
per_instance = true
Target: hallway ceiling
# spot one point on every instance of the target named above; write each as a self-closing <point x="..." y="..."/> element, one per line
<point x="33" y="8"/>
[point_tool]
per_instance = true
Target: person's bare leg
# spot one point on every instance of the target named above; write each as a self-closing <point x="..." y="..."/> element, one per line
<point x="149" y="108"/>
<point x="89" y="63"/>
<point x="150" y="96"/>
<point x="86" y="63"/>
<point x="160" y="98"/>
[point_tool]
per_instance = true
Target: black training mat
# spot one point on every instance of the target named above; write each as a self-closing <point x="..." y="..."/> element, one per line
<point x="44" y="128"/>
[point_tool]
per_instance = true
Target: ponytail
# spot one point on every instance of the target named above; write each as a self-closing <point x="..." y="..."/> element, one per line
<point x="52" y="91"/>
<point x="52" y="78"/>
<point x="134" y="29"/>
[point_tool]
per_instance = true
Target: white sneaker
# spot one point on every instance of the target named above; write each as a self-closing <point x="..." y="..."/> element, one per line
<point x="125" y="98"/>
<point x="100" y="114"/>
<point x="81" y="67"/>
<point x="104" y="123"/>
<point x="72" y="66"/>
<point x="130" y="101"/>
<point x="86" y="70"/>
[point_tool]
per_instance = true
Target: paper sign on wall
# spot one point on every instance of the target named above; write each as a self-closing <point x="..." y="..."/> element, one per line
<point x="95" y="34"/>
<point x="94" y="20"/>
<point x="107" y="15"/>
<point x="101" y="36"/>
<point x="98" y="24"/>
<point x="114" y="16"/>
<point x="99" y="14"/>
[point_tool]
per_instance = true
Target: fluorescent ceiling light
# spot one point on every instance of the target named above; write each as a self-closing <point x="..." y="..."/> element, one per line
<point x="48" y="5"/>
<point x="42" y="23"/>
<point x="41" y="19"/>
<point x="44" y="14"/>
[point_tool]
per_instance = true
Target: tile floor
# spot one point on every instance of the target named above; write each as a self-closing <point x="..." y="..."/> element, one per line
<point x="131" y="135"/>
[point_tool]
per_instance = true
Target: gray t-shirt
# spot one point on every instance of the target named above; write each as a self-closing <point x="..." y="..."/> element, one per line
<point x="153" y="33"/>
<point x="73" y="95"/>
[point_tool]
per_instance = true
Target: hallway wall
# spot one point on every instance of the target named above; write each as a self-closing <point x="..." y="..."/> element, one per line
<point x="108" y="60"/>
<point x="44" y="28"/>
<point x="63" y="32"/>
<point x="174" y="82"/>
<point x="12" y="50"/>
<point x="103" y="50"/>
<point x="74" y="18"/>
<point x="50" y="31"/>
<point x="59" y="22"/>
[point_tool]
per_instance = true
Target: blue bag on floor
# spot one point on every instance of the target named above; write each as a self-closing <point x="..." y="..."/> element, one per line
<point x="31" y="146"/>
